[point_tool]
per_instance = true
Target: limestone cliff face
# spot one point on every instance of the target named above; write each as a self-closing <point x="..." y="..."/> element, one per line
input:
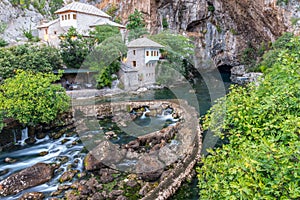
<point x="222" y="29"/>
<point x="17" y="21"/>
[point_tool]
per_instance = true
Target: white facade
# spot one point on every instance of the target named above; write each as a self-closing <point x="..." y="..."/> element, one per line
<point x="152" y="54"/>
<point x="81" y="16"/>
<point x="68" y="19"/>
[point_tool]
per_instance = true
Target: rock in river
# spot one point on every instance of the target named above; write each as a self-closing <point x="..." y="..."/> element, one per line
<point x="32" y="176"/>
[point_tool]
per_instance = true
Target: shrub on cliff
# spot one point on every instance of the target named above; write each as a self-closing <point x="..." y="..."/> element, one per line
<point x="32" y="98"/>
<point x="262" y="123"/>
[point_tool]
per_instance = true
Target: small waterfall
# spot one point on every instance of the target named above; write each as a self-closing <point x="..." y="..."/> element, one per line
<point x="15" y="136"/>
<point x="24" y="136"/>
<point x="167" y="114"/>
<point x="144" y="113"/>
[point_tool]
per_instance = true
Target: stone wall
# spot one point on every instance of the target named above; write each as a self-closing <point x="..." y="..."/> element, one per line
<point x="189" y="134"/>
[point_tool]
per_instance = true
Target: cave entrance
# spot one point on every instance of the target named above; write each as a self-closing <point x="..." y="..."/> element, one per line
<point x="224" y="68"/>
<point x="225" y="71"/>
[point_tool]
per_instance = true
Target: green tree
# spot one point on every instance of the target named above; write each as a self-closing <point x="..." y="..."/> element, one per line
<point x="178" y="51"/>
<point x="105" y="58"/>
<point x="137" y="33"/>
<point x="103" y="32"/>
<point x="55" y="5"/>
<point x="136" y="25"/>
<point x="74" y="48"/>
<point x="261" y="122"/>
<point x="135" y="20"/>
<point x="29" y="58"/>
<point x="32" y="98"/>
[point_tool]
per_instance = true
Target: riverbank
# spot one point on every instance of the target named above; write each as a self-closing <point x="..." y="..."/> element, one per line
<point x="161" y="183"/>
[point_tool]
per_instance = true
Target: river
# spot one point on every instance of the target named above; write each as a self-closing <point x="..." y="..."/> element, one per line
<point x="68" y="149"/>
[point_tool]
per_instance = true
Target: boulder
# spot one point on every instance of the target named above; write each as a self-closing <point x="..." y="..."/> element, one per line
<point x="149" y="168"/>
<point x="105" y="154"/>
<point x="32" y="176"/>
<point x="67" y="176"/>
<point x="10" y="160"/>
<point x="30" y="141"/>
<point x="115" y="193"/>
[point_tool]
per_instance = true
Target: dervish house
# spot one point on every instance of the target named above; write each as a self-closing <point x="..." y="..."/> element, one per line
<point x="81" y="16"/>
<point x="139" y="68"/>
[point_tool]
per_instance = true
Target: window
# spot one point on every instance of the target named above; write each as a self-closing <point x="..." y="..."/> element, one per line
<point x="134" y="63"/>
<point x="69" y="16"/>
<point x="74" y="16"/>
<point x="55" y="32"/>
<point x="151" y="53"/>
<point x="157" y="54"/>
<point x="133" y="52"/>
<point x="46" y="31"/>
<point x="147" y="53"/>
<point x="62" y="18"/>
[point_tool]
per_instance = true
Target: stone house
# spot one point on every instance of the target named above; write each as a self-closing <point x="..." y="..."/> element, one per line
<point x="81" y="16"/>
<point x="139" y="68"/>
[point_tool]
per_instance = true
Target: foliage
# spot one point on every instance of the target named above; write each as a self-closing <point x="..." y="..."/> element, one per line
<point x="136" y="25"/>
<point x="165" y="24"/>
<point x="55" y="5"/>
<point x="211" y="8"/>
<point x="103" y="32"/>
<point x="31" y="98"/>
<point x="111" y="11"/>
<point x="261" y="121"/>
<point x="294" y="20"/>
<point x="219" y="29"/>
<point x="22" y="3"/>
<point x="137" y="33"/>
<point x="135" y="20"/>
<point x="3" y="43"/>
<point x="282" y="2"/>
<point x="105" y="58"/>
<point x="30" y="58"/>
<point x="74" y="48"/>
<point x="269" y="58"/>
<point x="28" y="34"/>
<point x="178" y="51"/>
<point x="39" y="5"/>
<point x="251" y="54"/>
<point x="3" y="27"/>
<point x="1" y="120"/>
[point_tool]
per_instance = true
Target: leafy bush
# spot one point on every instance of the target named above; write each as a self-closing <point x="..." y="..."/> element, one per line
<point x="29" y="58"/>
<point x="105" y="58"/>
<point x="211" y="8"/>
<point x="3" y="43"/>
<point x="178" y="50"/>
<point x="103" y="32"/>
<point x="74" y="48"/>
<point x="262" y="160"/>
<point x="31" y="98"/>
<point x="165" y="23"/>
<point x="3" y="27"/>
<point x="270" y="57"/>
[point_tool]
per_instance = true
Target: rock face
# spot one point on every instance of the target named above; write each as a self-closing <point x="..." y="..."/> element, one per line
<point x="18" y="20"/>
<point x="222" y="28"/>
<point x="38" y="174"/>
